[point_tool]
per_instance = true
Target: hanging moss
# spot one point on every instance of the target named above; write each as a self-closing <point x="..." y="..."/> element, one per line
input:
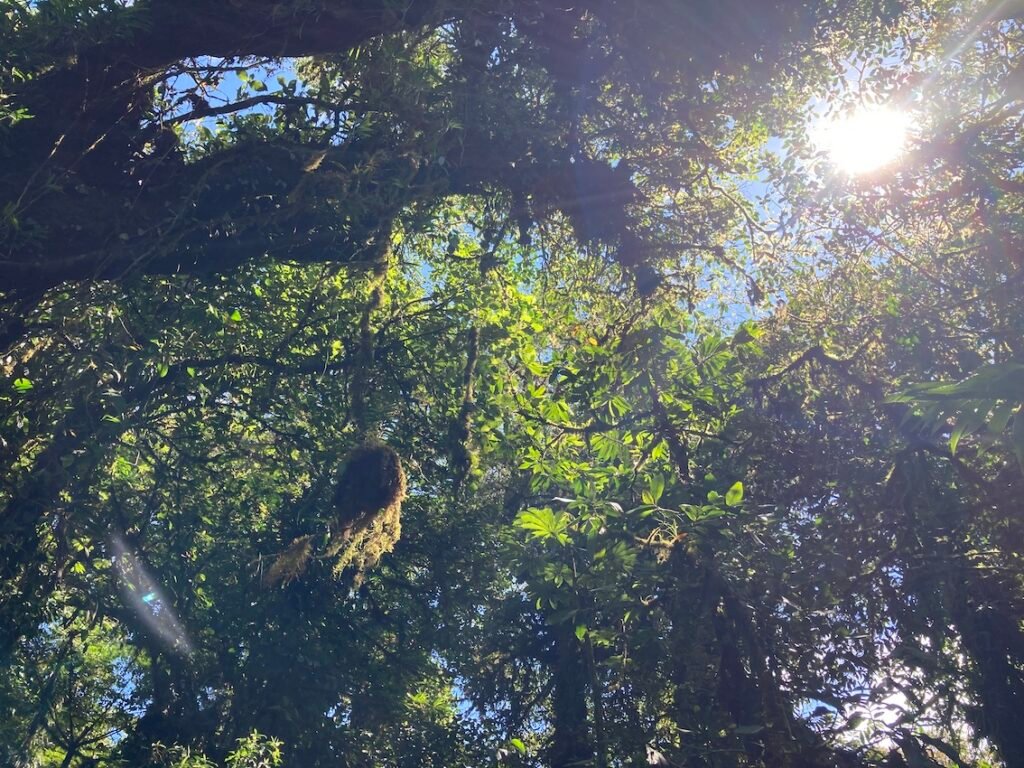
<point x="369" y="542"/>
<point x="367" y="507"/>
<point x="290" y="564"/>
<point x="367" y="517"/>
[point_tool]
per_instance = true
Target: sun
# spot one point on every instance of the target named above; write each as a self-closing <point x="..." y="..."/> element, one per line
<point x="864" y="140"/>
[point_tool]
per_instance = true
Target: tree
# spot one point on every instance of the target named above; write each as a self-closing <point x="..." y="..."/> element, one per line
<point x="686" y="476"/>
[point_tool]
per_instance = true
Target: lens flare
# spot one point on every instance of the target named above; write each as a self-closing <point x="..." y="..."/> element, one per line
<point x="862" y="141"/>
<point x="142" y="594"/>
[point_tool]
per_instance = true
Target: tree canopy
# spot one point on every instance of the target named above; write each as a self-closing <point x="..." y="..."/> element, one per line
<point x="511" y="383"/>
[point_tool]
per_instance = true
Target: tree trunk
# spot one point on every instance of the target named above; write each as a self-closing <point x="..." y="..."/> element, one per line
<point x="571" y="745"/>
<point x="992" y="637"/>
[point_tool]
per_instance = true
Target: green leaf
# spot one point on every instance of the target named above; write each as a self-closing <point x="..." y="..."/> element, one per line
<point x="656" y="486"/>
<point x="954" y="438"/>
<point x="618" y="406"/>
<point x="1000" y="417"/>
<point x="581" y="631"/>
<point x="544" y="524"/>
<point x="518" y="745"/>
<point x="746" y="333"/>
<point x="236" y="316"/>
<point x="23" y="385"/>
<point x="735" y="494"/>
<point x="969" y="421"/>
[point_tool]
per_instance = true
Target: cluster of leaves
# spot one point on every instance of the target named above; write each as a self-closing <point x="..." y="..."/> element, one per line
<point x="989" y="398"/>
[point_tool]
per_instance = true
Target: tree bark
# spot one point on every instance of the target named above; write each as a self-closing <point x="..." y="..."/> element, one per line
<point x="571" y="745"/>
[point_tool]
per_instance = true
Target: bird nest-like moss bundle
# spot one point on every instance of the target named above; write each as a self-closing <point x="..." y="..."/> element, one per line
<point x="367" y="508"/>
<point x="367" y="517"/>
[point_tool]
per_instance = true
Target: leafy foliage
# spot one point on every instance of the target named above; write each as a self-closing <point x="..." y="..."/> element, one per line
<point x="698" y="452"/>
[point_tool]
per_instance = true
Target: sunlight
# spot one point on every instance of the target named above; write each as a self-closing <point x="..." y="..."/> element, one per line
<point x="142" y="595"/>
<point x="864" y="140"/>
